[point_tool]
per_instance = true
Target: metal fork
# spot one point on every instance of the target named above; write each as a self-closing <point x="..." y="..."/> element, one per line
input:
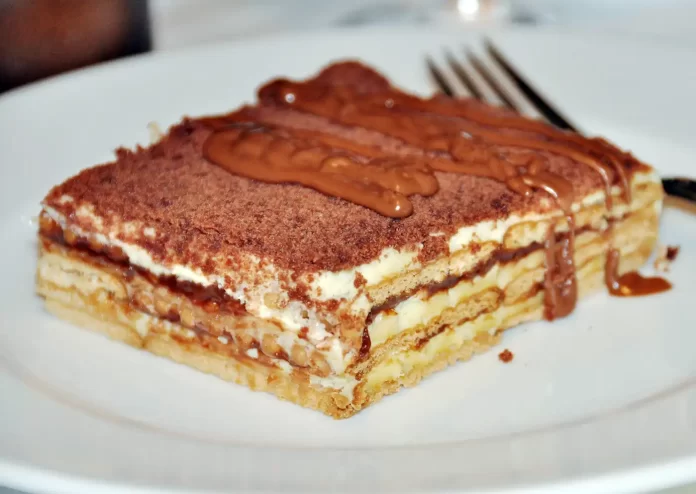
<point x="480" y="82"/>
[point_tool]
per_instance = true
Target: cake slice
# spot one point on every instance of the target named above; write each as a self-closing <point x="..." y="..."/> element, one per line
<point x="340" y="239"/>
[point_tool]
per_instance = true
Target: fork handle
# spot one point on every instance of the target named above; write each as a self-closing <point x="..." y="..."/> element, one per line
<point x="680" y="187"/>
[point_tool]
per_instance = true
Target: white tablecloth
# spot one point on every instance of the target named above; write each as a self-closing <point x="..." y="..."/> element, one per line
<point x="181" y="23"/>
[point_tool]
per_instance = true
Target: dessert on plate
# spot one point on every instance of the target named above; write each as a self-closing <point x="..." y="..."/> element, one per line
<point x="341" y="239"/>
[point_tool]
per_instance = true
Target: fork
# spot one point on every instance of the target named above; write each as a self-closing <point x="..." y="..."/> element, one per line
<point x="487" y="83"/>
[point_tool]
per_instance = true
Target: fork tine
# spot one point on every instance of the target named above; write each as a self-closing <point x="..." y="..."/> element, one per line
<point x="534" y="97"/>
<point x="462" y="75"/>
<point x="439" y="78"/>
<point x="492" y="82"/>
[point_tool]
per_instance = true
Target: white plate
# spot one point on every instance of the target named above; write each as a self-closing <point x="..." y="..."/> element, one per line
<point x="604" y="400"/>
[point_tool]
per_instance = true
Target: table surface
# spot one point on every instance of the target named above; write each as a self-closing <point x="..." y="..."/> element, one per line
<point x="173" y="28"/>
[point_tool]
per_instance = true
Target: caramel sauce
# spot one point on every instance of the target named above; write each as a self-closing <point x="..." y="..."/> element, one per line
<point x="454" y="138"/>
<point x="377" y="180"/>
<point x="468" y="133"/>
<point x="560" y="282"/>
<point x="631" y="284"/>
<point x="365" y="344"/>
<point x="421" y="342"/>
<point x="381" y="183"/>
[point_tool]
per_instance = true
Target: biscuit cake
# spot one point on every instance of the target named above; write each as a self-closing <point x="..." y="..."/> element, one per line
<point x="340" y="239"/>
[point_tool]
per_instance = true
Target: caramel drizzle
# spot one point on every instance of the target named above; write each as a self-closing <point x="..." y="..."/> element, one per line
<point x="455" y="137"/>
<point x="560" y="282"/>
<point x="382" y="183"/>
<point x="365" y="344"/>
<point x="469" y="134"/>
<point x="437" y="125"/>
<point x="458" y="146"/>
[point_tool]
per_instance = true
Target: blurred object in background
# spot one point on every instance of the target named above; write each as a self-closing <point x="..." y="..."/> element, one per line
<point x="419" y="11"/>
<point x="184" y="23"/>
<point x="40" y="38"/>
<point x="472" y="10"/>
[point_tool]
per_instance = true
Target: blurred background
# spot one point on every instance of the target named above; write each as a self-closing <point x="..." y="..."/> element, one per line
<point x="40" y="38"/>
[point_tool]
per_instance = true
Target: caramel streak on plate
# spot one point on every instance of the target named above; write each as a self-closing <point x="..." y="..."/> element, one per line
<point x="277" y="156"/>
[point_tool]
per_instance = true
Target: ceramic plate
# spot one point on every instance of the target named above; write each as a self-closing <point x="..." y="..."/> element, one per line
<point x="604" y="400"/>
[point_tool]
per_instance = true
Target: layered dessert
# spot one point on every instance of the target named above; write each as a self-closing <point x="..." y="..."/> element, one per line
<point x="341" y="239"/>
